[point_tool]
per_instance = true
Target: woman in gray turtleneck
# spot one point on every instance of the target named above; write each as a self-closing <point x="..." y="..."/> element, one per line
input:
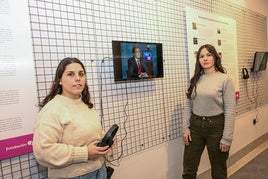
<point x="209" y="120"/>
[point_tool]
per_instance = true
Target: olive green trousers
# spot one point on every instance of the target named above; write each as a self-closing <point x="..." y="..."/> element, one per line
<point x="205" y="131"/>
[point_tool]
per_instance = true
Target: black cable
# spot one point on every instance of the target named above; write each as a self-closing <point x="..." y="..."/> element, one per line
<point x="251" y="101"/>
<point x="102" y="114"/>
<point x="253" y="87"/>
<point x="125" y="129"/>
<point x="255" y="94"/>
<point x="256" y="99"/>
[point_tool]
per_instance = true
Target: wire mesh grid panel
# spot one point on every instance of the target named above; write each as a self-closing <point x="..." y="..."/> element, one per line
<point x="85" y="30"/>
<point x="249" y="40"/>
<point x="24" y="166"/>
<point x="148" y="112"/>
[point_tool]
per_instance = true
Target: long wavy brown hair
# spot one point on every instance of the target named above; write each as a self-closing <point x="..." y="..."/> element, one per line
<point x="200" y="71"/>
<point x="56" y="88"/>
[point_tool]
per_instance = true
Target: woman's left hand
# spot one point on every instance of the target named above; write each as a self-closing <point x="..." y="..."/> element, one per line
<point x="224" y="148"/>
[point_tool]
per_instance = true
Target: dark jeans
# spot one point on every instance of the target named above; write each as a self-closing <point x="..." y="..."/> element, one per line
<point x="205" y="131"/>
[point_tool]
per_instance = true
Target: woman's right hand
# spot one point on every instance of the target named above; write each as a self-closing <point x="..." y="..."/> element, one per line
<point x="95" y="152"/>
<point x="187" y="138"/>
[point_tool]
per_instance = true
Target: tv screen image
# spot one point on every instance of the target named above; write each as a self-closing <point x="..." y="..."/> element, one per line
<point x="147" y="55"/>
<point x="127" y="66"/>
<point x="260" y="61"/>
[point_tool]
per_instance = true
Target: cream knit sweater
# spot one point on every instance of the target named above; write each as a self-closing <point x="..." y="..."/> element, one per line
<point x="63" y="130"/>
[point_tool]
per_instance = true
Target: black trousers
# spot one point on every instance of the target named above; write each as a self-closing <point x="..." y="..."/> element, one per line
<point x="205" y="131"/>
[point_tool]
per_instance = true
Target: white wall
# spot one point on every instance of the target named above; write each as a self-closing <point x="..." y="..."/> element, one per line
<point x="260" y="6"/>
<point x="161" y="162"/>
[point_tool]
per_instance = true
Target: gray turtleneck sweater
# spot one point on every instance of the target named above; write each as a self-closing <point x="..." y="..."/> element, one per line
<point x="215" y="94"/>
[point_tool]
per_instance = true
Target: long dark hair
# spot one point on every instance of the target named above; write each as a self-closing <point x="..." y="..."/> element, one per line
<point x="200" y="71"/>
<point x="56" y="88"/>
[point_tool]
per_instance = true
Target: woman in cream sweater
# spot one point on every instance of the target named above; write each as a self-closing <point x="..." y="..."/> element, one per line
<point x="68" y="128"/>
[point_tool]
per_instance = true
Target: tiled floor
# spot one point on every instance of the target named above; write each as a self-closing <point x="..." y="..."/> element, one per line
<point x="252" y="166"/>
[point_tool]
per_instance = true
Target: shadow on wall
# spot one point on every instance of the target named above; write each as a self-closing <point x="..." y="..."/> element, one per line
<point x="175" y="147"/>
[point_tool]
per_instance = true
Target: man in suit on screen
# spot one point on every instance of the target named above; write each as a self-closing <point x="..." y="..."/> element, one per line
<point x="136" y="65"/>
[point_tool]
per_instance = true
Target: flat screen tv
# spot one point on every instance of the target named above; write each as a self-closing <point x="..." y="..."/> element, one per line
<point x="145" y="63"/>
<point x="260" y="61"/>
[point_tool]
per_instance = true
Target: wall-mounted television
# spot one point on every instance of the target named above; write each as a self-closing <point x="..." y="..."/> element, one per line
<point x="145" y="62"/>
<point x="260" y="61"/>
